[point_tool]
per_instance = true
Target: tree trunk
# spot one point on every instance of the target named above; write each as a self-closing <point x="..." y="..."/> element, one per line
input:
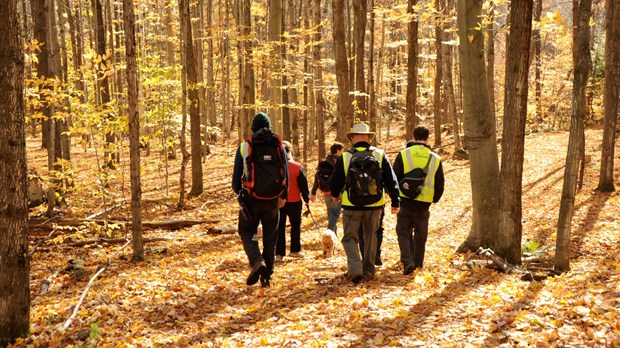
<point x="359" y="28"/>
<point x="379" y="85"/>
<point x="372" y="101"/>
<point x="134" y="130"/>
<point x="39" y="19"/>
<point x="611" y="94"/>
<point x="480" y="137"/>
<point x="307" y="81"/>
<point x="275" y="35"/>
<point x="318" y="79"/>
<point x="582" y="67"/>
<point x="111" y="157"/>
<point x="536" y="37"/>
<point x="411" y="119"/>
<point x="210" y="90"/>
<point x="291" y="89"/>
<point x="508" y="245"/>
<point x="198" y="34"/>
<point x="14" y="256"/>
<point x="248" y="83"/>
<point x="194" y="102"/>
<point x="437" y="100"/>
<point x="183" y="11"/>
<point x="345" y="110"/>
<point x="490" y="55"/>
<point x="450" y="99"/>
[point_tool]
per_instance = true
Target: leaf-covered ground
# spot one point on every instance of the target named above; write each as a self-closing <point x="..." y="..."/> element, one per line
<point x="191" y="289"/>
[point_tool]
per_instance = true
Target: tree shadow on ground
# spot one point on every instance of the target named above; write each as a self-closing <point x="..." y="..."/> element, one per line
<point x="595" y="204"/>
<point x="419" y="312"/>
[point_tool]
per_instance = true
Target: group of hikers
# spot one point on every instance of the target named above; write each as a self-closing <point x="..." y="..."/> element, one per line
<point x="271" y="186"/>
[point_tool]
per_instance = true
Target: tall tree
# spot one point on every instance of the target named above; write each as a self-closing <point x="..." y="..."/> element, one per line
<point x="111" y="157"/>
<point x="210" y="90"/>
<point x="360" y="8"/>
<point x="612" y="91"/>
<point x="490" y="54"/>
<point x="536" y="37"/>
<point x="411" y="119"/>
<point x="14" y="256"/>
<point x="134" y="130"/>
<point x="479" y="124"/>
<point x="508" y="245"/>
<point x="437" y="93"/>
<point x="194" y="102"/>
<point x="318" y="77"/>
<point x="582" y="67"/>
<point x="372" y="98"/>
<point x="275" y="35"/>
<point x="247" y="88"/>
<point x="345" y="109"/>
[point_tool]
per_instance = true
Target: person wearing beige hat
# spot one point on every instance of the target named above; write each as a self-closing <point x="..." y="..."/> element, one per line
<point x="359" y="180"/>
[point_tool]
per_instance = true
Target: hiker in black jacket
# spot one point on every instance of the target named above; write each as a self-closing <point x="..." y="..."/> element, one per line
<point x="412" y="219"/>
<point x="333" y="207"/>
<point x="260" y="196"/>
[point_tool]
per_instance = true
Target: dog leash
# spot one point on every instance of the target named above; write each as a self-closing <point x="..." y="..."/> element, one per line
<point x="312" y="216"/>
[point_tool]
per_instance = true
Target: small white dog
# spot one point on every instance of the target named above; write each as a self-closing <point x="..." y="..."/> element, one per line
<point x="329" y="243"/>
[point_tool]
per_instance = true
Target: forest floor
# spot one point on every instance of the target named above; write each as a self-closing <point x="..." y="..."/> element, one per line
<point x="191" y="289"/>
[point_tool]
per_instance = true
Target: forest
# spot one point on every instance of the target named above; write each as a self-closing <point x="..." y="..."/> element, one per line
<point x="119" y="124"/>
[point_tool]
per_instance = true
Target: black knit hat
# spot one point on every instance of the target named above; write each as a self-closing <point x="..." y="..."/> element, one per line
<point x="261" y="120"/>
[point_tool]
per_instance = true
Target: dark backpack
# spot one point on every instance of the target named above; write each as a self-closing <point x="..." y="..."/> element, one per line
<point x="364" y="183"/>
<point x="324" y="172"/>
<point x="411" y="185"/>
<point x="264" y="177"/>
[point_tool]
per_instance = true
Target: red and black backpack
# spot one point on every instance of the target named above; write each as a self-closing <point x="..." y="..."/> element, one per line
<point x="264" y="166"/>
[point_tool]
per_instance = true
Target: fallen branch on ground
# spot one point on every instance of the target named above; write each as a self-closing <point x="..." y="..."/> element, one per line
<point x="146" y="225"/>
<point x="69" y="320"/>
<point x="119" y="241"/>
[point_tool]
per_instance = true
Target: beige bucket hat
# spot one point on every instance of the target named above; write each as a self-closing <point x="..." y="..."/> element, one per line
<point x="360" y="128"/>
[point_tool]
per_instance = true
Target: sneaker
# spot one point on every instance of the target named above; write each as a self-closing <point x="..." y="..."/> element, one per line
<point x="408" y="269"/>
<point x="279" y="258"/>
<point x="258" y="269"/>
<point x="297" y="254"/>
<point x="264" y="282"/>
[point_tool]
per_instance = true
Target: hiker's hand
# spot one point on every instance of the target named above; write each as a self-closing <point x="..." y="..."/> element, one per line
<point x="337" y="199"/>
<point x="395" y="210"/>
<point x="312" y="198"/>
<point x="281" y="202"/>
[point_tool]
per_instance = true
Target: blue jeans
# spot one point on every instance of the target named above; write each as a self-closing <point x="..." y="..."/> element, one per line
<point x="333" y="211"/>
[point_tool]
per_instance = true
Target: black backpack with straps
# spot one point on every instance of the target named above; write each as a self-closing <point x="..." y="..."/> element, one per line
<point x="265" y="165"/>
<point x="364" y="182"/>
<point x="324" y="172"/>
<point x="411" y="185"/>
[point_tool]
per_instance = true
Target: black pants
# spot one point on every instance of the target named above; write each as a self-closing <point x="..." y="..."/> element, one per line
<point x="293" y="211"/>
<point x="360" y="236"/>
<point x="412" y="231"/>
<point x="266" y="213"/>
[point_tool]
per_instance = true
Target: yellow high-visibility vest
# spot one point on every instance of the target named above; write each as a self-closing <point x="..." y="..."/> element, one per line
<point x="417" y="156"/>
<point x="346" y="161"/>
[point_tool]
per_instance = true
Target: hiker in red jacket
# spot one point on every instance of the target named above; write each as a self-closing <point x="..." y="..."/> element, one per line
<point x="297" y="189"/>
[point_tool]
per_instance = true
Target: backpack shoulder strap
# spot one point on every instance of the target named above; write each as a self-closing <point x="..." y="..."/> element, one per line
<point x="245" y="149"/>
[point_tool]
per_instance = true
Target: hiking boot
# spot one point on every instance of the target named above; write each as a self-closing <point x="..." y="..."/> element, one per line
<point x="409" y="269"/>
<point x="356" y="279"/>
<point x="378" y="261"/>
<point x="259" y="268"/>
<point x="279" y="258"/>
<point x="296" y="254"/>
<point x="264" y="282"/>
